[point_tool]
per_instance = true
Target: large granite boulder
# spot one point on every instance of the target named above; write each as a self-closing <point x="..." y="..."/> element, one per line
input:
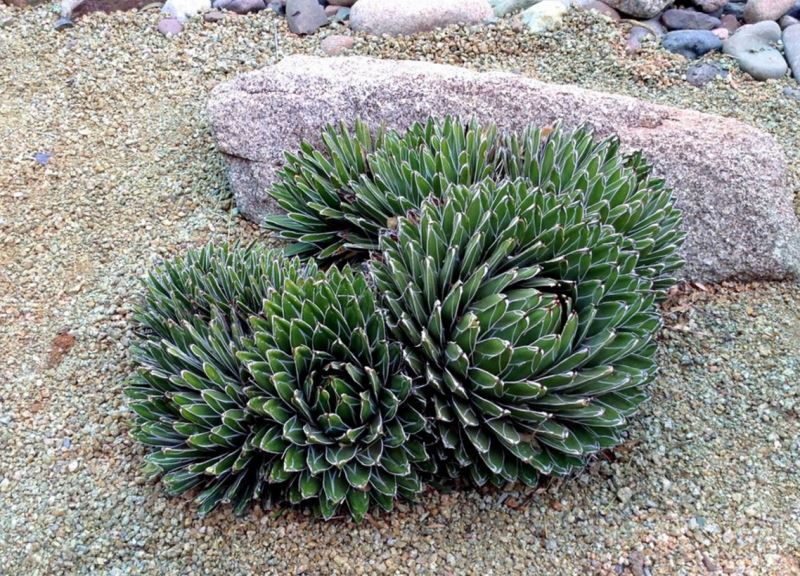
<point x="730" y="179"/>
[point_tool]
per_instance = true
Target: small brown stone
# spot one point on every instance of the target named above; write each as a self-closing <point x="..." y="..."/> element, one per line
<point x="335" y="45"/>
<point x="730" y="22"/>
<point x="214" y="16"/>
<point x="602" y="8"/>
<point x="62" y="344"/>
<point x="710" y="565"/>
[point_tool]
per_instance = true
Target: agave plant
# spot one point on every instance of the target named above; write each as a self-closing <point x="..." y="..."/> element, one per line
<point x="341" y="420"/>
<point x="337" y="200"/>
<point x="188" y="393"/>
<point x="525" y="314"/>
<point x="618" y="189"/>
<point x="262" y="377"/>
<point x="506" y="329"/>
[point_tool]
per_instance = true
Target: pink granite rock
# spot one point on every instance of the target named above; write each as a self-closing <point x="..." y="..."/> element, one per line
<point x="721" y="33"/>
<point x="642" y="9"/>
<point x="601" y="8"/>
<point x="730" y="23"/>
<point x="336" y="44"/>
<point x="730" y="179"/>
<point x="409" y="16"/>
<point x="170" y="27"/>
<point x="760" y="10"/>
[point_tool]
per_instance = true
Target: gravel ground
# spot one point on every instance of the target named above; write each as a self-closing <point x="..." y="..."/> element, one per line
<point x="707" y="482"/>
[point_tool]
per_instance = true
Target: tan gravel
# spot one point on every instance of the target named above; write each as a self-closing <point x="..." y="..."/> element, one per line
<point x="708" y="480"/>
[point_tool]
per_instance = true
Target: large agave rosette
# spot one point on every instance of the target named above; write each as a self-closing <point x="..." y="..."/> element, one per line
<point x="524" y="313"/>
<point x="335" y="409"/>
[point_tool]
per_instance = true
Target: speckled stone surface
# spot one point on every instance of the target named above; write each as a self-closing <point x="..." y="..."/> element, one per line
<point x="409" y="16"/>
<point x="730" y="179"/>
<point x="640" y="8"/>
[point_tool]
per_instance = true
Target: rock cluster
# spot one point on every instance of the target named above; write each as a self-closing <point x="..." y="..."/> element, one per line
<point x="751" y="31"/>
<point x="371" y="16"/>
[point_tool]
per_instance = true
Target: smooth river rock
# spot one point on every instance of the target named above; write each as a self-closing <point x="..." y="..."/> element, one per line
<point x="640" y="8"/>
<point x="701" y="73"/>
<point x="683" y="19"/>
<point x="730" y="179"/>
<point x="504" y="7"/>
<point x="337" y="44"/>
<point x="601" y="8"/>
<point x="752" y="47"/>
<point x="185" y="9"/>
<point x="691" y="44"/>
<point x="170" y="27"/>
<point x="760" y="10"/>
<point x="710" y="5"/>
<point x="544" y="15"/>
<point x="305" y="16"/>
<point x="397" y="17"/>
<point x="791" y="47"/>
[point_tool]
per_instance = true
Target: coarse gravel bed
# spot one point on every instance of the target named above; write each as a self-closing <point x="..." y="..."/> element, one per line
<point x="707" y="481"/>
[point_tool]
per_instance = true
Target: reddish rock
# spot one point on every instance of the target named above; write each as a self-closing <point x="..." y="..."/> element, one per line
<point x="602" y="8"/>
<point x="59" y="348"/>
<point x="170" y="27"/>
<point x="730" y="179"/>
<point x="214" y="16"/>
<point x="684" y="19"/>
<point x="760" y="10"/>
<point x="787" y="21"/>
<point x="730" y="23"/>
<point x="335" y="45"/>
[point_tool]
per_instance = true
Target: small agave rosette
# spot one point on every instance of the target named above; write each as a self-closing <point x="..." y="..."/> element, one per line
<point x="340" y="419"/>
<point x="187" y="393"/>
<point x="524" y="314"/>
<point x="339" y="197"/>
